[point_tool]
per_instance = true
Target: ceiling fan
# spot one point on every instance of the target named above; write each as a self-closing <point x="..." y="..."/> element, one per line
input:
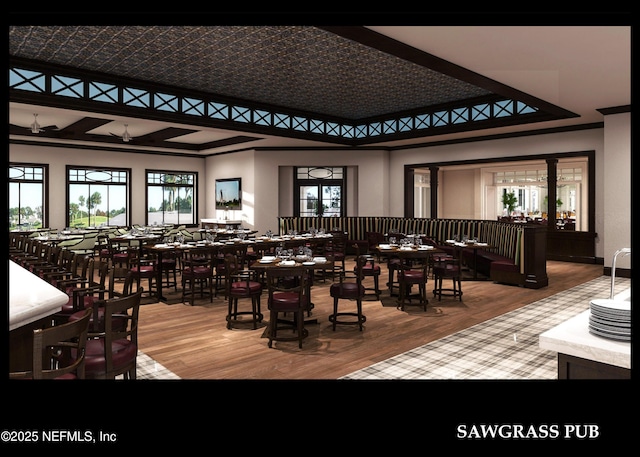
<point x="35" y="127"/>
<point x="126" y="137"/>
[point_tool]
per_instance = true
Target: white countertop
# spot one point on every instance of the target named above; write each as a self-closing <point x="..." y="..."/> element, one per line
<point x="30" y="297"/>
<point x="572" y="337"/>
<point x="219" y="221"/>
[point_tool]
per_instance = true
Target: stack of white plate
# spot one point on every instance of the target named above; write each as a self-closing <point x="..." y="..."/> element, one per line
<point x="611" y="319"/>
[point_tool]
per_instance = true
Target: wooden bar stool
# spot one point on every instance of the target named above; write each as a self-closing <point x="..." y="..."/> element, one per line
<point x="447" y="269"/>
<point x="349" y="288"/>
<point x="287" y="294"/>
<point x="242" y="284"/>
<point x="197" y="274"/>
<point x="370" y="269"/>
<point x="409" y="276"/>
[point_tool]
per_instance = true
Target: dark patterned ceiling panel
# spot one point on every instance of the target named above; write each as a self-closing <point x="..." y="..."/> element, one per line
<point x="296" y="67"/>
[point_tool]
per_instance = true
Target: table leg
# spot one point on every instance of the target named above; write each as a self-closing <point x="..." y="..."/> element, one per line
<point x="159" y="275"/>
<point x="475" y="263"/>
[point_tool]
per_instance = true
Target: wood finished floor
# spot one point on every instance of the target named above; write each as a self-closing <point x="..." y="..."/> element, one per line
<point x="194" y="343"/>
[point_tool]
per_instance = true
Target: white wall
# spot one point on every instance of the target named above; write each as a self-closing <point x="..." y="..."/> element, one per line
<point x="458" y="191"/>
<point x="227" y="166"/>
<point x="272" y="179"/>
<point x="616" y="212"/>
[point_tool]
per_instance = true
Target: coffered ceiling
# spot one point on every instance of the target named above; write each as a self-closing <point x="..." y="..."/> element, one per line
<point x="351" y="77"/>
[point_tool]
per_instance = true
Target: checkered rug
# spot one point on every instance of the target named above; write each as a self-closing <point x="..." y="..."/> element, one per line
<point x="503" y="348"/>
<point x="147" y="368"/>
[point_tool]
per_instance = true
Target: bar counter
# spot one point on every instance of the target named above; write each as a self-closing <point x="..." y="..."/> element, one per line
<point x="583" y="355"/>
<point x="32" y="301"/>
<point x="30" y="297"/>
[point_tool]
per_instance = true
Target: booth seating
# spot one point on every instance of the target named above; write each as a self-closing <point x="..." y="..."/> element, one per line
<point x="517" y="256"/>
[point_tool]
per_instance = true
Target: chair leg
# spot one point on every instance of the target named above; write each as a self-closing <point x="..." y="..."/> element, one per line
<point x="229" y="312"/>
<point x="459" y="281"/>
<point x="254" y="309"/>
<point x="423" y="295"/>
<point x="273" y="326"/>
<point x="300" y="328"/>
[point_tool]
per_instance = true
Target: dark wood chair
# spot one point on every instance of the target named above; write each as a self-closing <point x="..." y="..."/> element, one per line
<point x="287" y="294"/>
<point x="220" y="275"/>
<point x="394" y="264"/>
<point x="242" y="284"/>
<point x="143" y="267"/>
<point x="83" y="290"/>
<point x="30" y="249"/>
<point x="169" y="266"/>
<point x="415" y="274"/>
<point x="370" y="269"/>
<point x="349" y="288"/>
<point x="447" y="268"/>
<point x="112" y="345"/>
<point x="55" y="259"/>
<point x="374" y="239"/>
<point x="59" y="352"/>
<point x="101" y="249"/>
<point x="336" y="248"/>
<point x="39" y="254"/>
<point x="198" y="274"/>
<point x="119" y="252"/>
<point x="97" y="297"/>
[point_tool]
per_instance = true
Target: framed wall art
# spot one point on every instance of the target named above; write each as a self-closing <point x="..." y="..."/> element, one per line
<point x="229" y="193"/>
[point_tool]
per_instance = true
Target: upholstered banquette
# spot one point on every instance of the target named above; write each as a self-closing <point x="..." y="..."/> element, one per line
<point x="518" y="255"/>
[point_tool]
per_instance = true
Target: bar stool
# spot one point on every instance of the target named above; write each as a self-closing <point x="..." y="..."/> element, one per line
<point x="197" y="274"/>
<point x="370" y="269"/>
<point x="447" y="269"/>
<point x="242" y="284"/>
<point x="409" y="276"/>
<point x="351" y="290"/>
<point x="143" y="267"/>
<point x="287" y="294"/>
<point x="169" y="266"/>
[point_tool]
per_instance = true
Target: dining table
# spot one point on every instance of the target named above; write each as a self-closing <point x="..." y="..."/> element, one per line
<point x="55" y="239"/>
<point x="260" y="243"/>
<point x="32" y="302"/>
<point x="406" y="253"/>
<point x="142" y="238"/>
<point x="474" y="246"/>
<point x="158" y="250"/>
<point x="311" y="265"/>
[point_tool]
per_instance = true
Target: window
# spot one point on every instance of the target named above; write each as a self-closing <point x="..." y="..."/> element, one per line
<point x="171" y="197"/>
<point x="27" y="200"/>
<point x="91" y="90"/>
<point x="530" y="189"/>
<point x="319" y="191"/>
<point x="97" y="196"/>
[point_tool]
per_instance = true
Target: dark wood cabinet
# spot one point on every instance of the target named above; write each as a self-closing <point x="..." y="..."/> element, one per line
<point x="571" y="367"/>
